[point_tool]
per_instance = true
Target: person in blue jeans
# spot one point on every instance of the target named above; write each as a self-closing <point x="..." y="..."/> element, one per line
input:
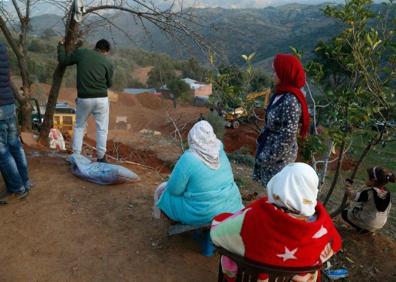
<point x="13" y="162"/>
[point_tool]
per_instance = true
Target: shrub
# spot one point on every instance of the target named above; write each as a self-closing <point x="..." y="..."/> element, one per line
<point x="217" y="123"/>
<point x="242" y="156"/>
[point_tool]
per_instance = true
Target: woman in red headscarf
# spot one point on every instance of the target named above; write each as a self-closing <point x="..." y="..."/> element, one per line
<point x="287" y="109"/>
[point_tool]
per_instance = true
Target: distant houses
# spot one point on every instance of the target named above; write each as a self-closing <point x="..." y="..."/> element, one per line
<point x="199" y="89"/>
<point x="136" y="91"/>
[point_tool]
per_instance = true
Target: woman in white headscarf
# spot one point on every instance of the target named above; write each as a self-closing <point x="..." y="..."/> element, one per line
<point x="289" y="228"/>
<point x="202" y="184"/>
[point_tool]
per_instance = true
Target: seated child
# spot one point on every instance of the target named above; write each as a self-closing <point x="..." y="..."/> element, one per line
<point x="370" y="208"/>
<point x="289" y="228"/>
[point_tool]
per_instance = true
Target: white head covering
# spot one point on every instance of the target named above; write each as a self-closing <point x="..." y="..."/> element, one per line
<point x="295" y="188"/>
<point x="204" y="143"/>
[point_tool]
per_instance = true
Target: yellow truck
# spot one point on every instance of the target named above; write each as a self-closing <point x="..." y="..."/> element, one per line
<point x="64" y="117"/>
<point x="233" y="118"/>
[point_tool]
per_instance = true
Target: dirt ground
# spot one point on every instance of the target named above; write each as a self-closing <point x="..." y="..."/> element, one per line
<point x="71" y="230"/>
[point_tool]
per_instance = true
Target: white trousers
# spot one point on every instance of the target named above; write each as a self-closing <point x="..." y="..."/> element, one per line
<point x="99" y="108"/>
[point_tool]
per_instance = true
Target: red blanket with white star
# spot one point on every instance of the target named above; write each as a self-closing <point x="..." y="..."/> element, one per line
<point x="273" y="237"/>
<point x="269" y="235"/>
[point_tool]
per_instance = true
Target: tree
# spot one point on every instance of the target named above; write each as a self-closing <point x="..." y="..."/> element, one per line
<point x="180" y="89"/>
<point x="48" y="34"/>
<point x="260" y="81"/>
<point x="356" y="71"/>
<point x="161" y="74"/>
<point x="17" y="40"/>
<point x="170" y="20"/>
<point x="192" y="69"/>
<point x="232" y="85"/>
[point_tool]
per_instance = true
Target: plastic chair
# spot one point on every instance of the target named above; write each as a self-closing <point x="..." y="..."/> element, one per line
<point x="248" y="271"/>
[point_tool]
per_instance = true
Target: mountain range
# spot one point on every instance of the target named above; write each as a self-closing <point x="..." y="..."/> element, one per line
<point x="232" y="32"/>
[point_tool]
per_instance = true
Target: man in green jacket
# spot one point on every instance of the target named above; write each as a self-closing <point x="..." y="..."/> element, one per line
<point x="94" y="77"/>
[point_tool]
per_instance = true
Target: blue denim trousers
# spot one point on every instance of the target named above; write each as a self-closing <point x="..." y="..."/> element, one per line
<point x="13" y="162"/>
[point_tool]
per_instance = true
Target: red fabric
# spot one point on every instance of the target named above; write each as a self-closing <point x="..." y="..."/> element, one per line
<point x="291" y="74"/>
<point x="267" y="231"/>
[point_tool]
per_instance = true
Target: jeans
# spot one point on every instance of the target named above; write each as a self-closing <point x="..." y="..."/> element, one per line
<point x="13" y="162"/>
<point x="99" y="108"/>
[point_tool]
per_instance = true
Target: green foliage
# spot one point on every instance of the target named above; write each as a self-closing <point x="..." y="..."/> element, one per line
<point x="232" y="84"/>
<point x="259" y="81"/>
<point x="240" y="182"/>
<point x="352" y="69"/>
<point x="217" y="123"/>
<point x="42" y="61"/>
<point x="228" y="90"/>
<point x="180" y="89"/>
<point x="48" y="34"/>
<point x="120" y="79"/>
<point x="312" y="145"/>
<point x="161" y="74"/>
<point x="40" y="46"/>
<point x="134" y="83"/>
<point x="242" y="156"/>
<point x="194" y="70"/>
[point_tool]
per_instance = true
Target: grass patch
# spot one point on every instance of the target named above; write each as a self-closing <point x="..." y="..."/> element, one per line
<point x="378" y="156"/>
<point x="242" y="156"/>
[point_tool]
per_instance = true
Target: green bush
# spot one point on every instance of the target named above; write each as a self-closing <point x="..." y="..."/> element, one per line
<point x="217" y="123"/>
<point x="242" y="156"/>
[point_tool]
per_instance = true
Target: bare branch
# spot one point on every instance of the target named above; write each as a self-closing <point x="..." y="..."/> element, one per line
<point x="177" y="130"/>
<point x="18" y="10"/>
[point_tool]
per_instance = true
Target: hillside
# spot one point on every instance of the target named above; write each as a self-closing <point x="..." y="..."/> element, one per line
<point x="231" y="31"/>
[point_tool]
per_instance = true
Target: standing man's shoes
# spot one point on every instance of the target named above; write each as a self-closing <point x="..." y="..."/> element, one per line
<point x="102" y="160"/>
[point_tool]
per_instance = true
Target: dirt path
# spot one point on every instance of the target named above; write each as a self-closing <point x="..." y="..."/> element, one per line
<point x="70" y="230"/>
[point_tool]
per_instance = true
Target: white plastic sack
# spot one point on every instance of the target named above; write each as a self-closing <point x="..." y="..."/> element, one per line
<point x="56" y="140"/>
<point x="100" y="173"/>
<point x="79" y="10"/>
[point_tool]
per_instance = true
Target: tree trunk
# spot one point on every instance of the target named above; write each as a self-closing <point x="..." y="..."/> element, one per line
<point x="342" y="206"/>
<point x="70" y="38"/>
<point x="51" y="104"/>
<point x="326" y="164"/>
<point x="26" y="107"/>
<point x="21" y="56"/>
<point x="337" y="173"/>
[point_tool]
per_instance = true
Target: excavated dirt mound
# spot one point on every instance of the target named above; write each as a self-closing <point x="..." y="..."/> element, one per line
<point x="41" y="91"/>
<point x="144" y="111"/>
<point x="123" y="152"/>
<point x="147" y="157"/>
<point x="244" y="136"/>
